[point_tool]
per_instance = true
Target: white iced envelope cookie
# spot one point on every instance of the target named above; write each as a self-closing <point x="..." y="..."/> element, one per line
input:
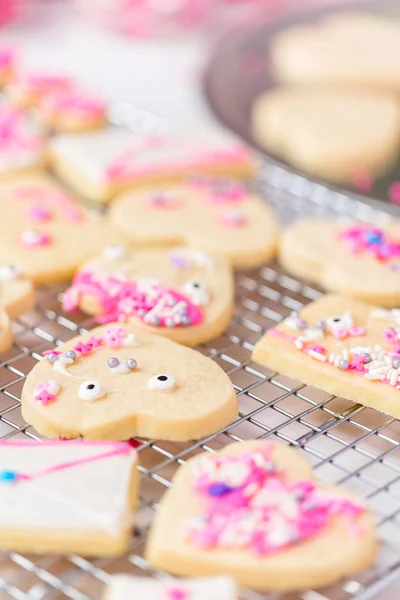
<point x="22" y="142"/>
<point x="100" y="164"/>
<point x="181" y="293"/>
<point x="123" y="587"/>
<point x="116" y="382"/>
<point x="342" y="346"/>
<point x="63" y="497"/>
<point x="332" y="133"/>
<point x="254" y="511"/>
<point x="213" y="215"/>
<point x="46" y="234"/>
<point x="356" y="259"/>
<point x="346" y="47"/>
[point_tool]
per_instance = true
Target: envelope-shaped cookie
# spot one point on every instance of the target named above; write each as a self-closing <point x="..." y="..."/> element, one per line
<point x="59" y="497"/>
<point x="122" y="587"/>
<point x="352" y="258"/>
<point x="217" y="216"/>
<point x="100" y="164"/>
<point x="44" y="232"/>
<point x="181" y="293"/>
<point x="342" y="346"/>
<point x="254" y="511"/>
<point x="117" y="381"/>
<point x="346" y="47"/>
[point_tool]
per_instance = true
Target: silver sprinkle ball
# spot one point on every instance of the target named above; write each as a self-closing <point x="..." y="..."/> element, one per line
<point x="131" y="363"/>
<point x="113" y="362"/>
<point x="344" y="365"/>
<point x="71" y="354"/>
<point x="52" y="358"/>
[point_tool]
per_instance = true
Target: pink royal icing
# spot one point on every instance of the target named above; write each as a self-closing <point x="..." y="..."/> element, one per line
<point x="38" y="84"/>
<point x="15" y="136"/>
<point x="371" y="240"/>
<point x="7" y="57"/>
<point x="151" y="303"/>
<point x="73" y="103"/>
<point x="249" y="504"/>
<point x="175" y="593"/>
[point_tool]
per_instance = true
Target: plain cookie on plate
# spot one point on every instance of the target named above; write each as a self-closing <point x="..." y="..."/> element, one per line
<point x="254" y="511"/>
<point x="180" y="293"/>
<point x="342" y="346"/>
<point x="345" y="47"/>
<point x="102" y="163"/>
<point x="217" y="216"/>
<point x="44" y="232"/>
<point x="117" y="382"/>
<point x="331" y="133"/>
<point x="356" y="259"/>
<point x="67" y="497"/>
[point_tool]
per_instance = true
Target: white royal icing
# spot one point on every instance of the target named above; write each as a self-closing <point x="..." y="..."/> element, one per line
<point x="115" y="251"/>
<point x="123" y="587"/>
<point x="89" y="497"/>
<point x="92" y="153"/>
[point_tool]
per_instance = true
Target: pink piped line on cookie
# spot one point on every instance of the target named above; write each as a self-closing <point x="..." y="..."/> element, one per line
<point x="73" y="103"/>
<point x="51" y="199"/>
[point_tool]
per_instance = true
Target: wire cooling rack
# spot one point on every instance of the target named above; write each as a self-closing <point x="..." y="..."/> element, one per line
<point x="346" y="443"/>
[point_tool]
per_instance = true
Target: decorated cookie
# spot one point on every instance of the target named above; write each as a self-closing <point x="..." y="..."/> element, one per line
<point x="100" y="164"/>
<point x="22" y="144"/>
<point x="345" y="47"/>
<point x="355" y="259"/>
<point x="44" y="232"/>
<point x="72" y="110"/>
<point x="342" y="346"/>
<point x="122" y="587"/>
<point x="7" y="60"/>
<point x="217" y="216"/>
<point x="28" y="88"/>
<point x="180" y="293"/>
<point x="329" y="133"/>
<point x="254" y="511"/>
<point x="119" y="381"/>
<point x="16" y="291"/>
<point x="6" y="334"/>
<point x="63" y="497"/>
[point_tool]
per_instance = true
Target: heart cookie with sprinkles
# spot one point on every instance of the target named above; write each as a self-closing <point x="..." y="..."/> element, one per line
<point x="116" y="382"/>
<point x="183" y="294"/>
<point x="254" y="511"/>
<point x="355" y="259"/>
<point x="216" y="216"/>
<point x="342" y="346"/>
<point x="46" y="234"/>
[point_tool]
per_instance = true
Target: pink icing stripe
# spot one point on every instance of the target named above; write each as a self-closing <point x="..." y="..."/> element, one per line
<point x="73" y="103"/>
<point x="121" y="167"/>
<point x="51" y="199"/>
<point x="74" y="463"/>
<point x="69" y="442"/>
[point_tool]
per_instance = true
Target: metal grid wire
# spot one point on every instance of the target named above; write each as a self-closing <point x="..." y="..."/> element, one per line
<point x="346" y="443"/>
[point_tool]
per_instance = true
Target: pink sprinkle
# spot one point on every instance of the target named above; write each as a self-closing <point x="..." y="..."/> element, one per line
<point x="38" y="213"/>
<point x="114" y="336"/>
<point x="356" y="331"/>
<point x="162" y="200"/>
<point x="340" y="334"/>
<point x="46" y="391"/>
<point x="390" y="334"/>
<point x="33" y="238"/>
<point x="317" y="348"/>
<point x="232" y="219"/>
<point x="87" y="347"/>
<point x="362" y="181"/>
<point x="176" y="593"/>
<point x="394" y="192"/>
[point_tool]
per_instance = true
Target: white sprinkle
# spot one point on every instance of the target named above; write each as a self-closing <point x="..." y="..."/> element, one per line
<point x="394" y="377"/>
<point x="332" y="357"/>
<point x="374" y="377"/>
<point x="345" y="353"/>
<point x="337" y="361"/>
<point x="317" y="355"/>
<point x="299" y="344"/>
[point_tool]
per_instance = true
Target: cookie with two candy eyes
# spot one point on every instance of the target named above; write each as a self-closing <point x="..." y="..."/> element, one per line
<point x="118" y="381"/>
<point x="218" y="216"/>
<point x="181" y="293"/>
<point x="254" y="511"/>
<point x="355" y="259"/>
<point x="343" y="346"/>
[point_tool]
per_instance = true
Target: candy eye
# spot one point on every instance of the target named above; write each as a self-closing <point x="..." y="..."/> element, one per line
<point x="339" y="321"/>
<point x="197" y="292"/>
<point x="161" y="382"/>
<point x="90" y="390"/>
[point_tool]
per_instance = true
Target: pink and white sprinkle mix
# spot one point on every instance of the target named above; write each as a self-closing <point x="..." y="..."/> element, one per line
<point x="46" y="392"/>
<point x="371" y="240"/>
<point x="249" y="504"/>
<point x="33" y="238"/>
<point x="119" y="300"/>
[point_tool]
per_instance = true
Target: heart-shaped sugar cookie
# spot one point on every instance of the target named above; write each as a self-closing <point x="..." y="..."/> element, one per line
<point x="117" y="381"/>
<point x="254" y="511"/>
<point x="331" y="133"/>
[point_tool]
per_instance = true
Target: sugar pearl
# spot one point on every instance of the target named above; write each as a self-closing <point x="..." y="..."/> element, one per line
<point x="344" y="365"/>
